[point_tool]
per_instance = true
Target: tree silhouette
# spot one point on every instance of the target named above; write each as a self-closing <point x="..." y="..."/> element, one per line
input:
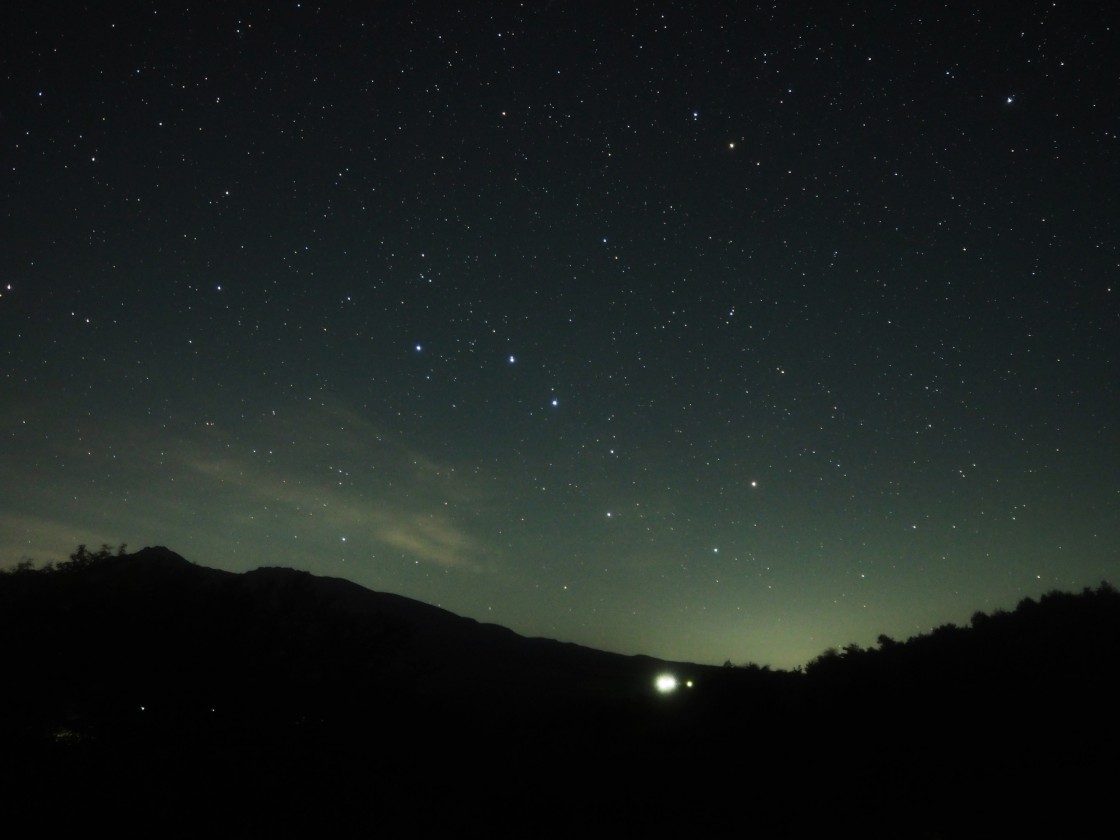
<point x="82" y="557"/>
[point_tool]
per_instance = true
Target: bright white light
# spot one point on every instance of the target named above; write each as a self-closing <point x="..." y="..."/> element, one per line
<point x="666" y="683"/>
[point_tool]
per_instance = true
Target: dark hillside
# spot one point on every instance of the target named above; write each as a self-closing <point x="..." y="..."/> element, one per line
<point x="146" y="690"/>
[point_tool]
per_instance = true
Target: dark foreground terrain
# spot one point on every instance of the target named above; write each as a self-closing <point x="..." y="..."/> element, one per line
<point x="143" y="694"/>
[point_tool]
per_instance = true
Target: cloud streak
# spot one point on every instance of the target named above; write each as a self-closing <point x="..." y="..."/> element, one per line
<point x="349" y="483"/>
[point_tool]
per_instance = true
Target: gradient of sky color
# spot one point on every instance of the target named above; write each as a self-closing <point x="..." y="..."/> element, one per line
<point x="709" y="331"/>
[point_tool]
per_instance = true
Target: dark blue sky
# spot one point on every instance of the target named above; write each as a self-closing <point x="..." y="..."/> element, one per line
<point x="726" y="331"/>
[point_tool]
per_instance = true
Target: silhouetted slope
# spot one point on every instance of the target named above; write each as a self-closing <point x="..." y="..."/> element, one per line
<point x="1011" y="720"/>
<point x="152" y="629"/>
<point x="250" y="682"/>
<point x="160" y="693"/>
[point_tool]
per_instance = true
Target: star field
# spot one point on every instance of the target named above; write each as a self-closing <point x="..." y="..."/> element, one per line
<point x="728" y="332"/>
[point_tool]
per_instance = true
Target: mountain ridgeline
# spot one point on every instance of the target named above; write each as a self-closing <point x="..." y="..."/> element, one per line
<point x="145" y="690"/>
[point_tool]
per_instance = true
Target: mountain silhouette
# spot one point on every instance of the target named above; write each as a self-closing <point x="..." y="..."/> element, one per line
<point x="172" y="633"/>
<point x="150" y="693"/>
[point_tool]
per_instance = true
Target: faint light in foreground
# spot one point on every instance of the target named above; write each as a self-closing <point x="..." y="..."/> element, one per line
<point x="666" y="683"/>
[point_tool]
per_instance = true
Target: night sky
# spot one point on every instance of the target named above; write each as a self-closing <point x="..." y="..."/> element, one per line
<point x="709" y="331"/>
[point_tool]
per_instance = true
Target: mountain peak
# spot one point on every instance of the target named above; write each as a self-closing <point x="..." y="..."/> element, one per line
<point x="159" y="554"/>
